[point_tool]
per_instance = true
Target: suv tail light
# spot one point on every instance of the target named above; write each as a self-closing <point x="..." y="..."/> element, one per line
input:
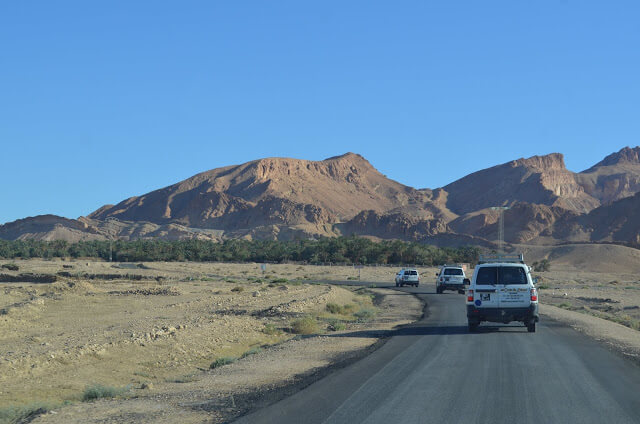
<point x="469" y="295"/>
<point x="534" y="295"/>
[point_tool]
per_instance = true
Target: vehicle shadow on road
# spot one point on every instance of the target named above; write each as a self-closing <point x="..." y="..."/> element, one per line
<point x="429" y="330"/>
<point x="418" y="330"/>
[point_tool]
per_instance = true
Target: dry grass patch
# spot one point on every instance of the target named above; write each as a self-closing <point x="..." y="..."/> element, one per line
<point x="99" y="391"/>
<point x="305" y="326"/>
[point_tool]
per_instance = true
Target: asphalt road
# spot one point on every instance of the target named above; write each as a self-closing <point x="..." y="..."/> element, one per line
<point x="434" y="371"/>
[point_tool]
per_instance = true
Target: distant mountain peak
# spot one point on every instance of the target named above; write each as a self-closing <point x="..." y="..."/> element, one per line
<point x="545" y="162"/>
<point x="346" y="156"/>
<point x="537" y="179"/>
<point x="627" y="154"/>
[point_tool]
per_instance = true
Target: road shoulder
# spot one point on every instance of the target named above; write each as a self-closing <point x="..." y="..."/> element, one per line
<point x="616" y="337"/>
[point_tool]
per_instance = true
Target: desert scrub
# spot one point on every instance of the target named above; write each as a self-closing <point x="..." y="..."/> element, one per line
<point x="225" y="360"/>
<point x="334" y="308"/>
<point x="25" y="413"/>
<point x="251" y="351"/>
<point x="98" y="391"/>
<point x="208" y="279"/>
<point x="11" y="267"/>
<point x="279" y="281"/>
<point x="305" y="325"/>
<point x="541" y="266"/>
<point x="336" y="325"/>
<point x="271" y="330"/>
<point x="237" y="289"/>
<point x="365" y="314"/>
<point x="189" y="378"/>
<point x="624" y="319"/>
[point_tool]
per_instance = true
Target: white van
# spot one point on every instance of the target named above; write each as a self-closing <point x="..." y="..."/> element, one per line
<point x="408" y="276"/>
<point x="450" y="277"/>
<point x="502" y="290"/>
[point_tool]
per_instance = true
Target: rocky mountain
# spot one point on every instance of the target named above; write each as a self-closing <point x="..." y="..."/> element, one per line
<point x="523" y="222"/>
<point x="282" y="198"/>
<point x="48" y="228"/>
<point x="617" y="176"/>
<point x="270" y="191"/>
<point x="52" y="227"/>
<point x="540" y="180"/>
<point x="615" y="222"/>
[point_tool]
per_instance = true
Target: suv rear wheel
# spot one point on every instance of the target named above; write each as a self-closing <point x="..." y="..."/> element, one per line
<point x="473" y="326"/>
<point x="531" y="326"/>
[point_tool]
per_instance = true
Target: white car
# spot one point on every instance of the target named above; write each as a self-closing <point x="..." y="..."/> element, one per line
<point x="408" y="276"/>
<point x="502" y="290"/>
<point x="450" y="277"/>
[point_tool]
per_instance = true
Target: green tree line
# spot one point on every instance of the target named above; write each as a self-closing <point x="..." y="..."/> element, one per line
<point x="350" y="250"/>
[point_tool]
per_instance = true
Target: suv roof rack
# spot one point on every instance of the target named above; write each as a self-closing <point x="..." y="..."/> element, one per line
<point x="502" y="257"/>
<point x="451" y="265"/>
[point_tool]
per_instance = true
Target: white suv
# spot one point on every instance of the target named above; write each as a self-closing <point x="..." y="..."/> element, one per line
<point x="450" y="277"/>
<point x="408" y="276"/>
<point x="502" y="290"/>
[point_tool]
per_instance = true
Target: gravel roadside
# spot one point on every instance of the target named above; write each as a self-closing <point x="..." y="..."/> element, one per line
<point x="619" y="338"/>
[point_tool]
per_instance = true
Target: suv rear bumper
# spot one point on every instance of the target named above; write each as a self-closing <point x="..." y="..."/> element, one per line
<point x="503" y="315"/>
<point x="447" y="286"/>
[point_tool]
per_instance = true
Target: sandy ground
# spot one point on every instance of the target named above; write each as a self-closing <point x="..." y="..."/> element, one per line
<point x="155" y="328"/>
<point x="615" y="297"/>
<point x="158" y="335"/>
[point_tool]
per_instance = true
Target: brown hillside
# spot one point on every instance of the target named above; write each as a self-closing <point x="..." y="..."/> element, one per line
<point x="280" y="198"/>
<point x="523" y="223"/>
<point x="540" y="180"/>
<point x="47" y="228"/>
<point x="614" y="178"/>
<point x="393" y="225"/>
<point x="618" y="222"/>
<point x="271" y="191"/>
<point x="52" y="227"/>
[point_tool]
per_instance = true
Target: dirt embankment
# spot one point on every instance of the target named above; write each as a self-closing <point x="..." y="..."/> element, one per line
<point x="154" y="340"/>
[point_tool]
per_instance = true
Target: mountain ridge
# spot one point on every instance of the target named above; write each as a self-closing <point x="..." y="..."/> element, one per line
<point x="283" y="198"/>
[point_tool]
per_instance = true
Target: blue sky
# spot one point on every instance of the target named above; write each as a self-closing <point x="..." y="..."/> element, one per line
<point x="105" y="100"/>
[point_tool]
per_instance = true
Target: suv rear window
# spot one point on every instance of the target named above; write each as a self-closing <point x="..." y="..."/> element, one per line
<point x="410" y="273"/>
<point x="512" y="275"/>
<point x="501" y="275"/>
<point x="453" y="271"/>
<point x="487" y="275"/>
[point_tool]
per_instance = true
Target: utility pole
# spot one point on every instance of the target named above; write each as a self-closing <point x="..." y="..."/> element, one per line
<point x="111" y="223"/>
<point x="500" y="226"/>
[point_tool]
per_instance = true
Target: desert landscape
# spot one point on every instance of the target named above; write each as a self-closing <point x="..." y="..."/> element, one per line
<point x="211" y="334"/>
<point x="134" y="330"/>
<point x="143" y="340"/>
<point x="216" y="213"/>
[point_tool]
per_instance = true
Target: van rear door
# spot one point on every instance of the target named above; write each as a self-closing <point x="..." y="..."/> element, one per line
<point x="513" y="289"/>
<point x="486" y="287"/>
